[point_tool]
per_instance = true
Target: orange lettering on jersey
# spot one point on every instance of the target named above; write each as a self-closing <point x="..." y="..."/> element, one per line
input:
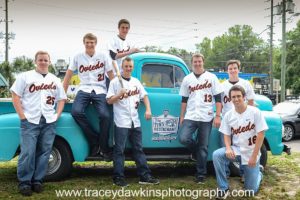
<point x="200" y="86"/>
<point x="33" y="87"/>
<point x="124" y="50"/>
<point x="226" y="99"/>
<point x="131" y="93"/>
<point x="242" y="129"/>
<point x="91" y="67"/>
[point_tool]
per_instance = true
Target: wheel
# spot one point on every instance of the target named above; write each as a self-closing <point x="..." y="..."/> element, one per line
<point x="235" y="166"/>
<point x="288" y="133"/>
<point x="60" y="161"/>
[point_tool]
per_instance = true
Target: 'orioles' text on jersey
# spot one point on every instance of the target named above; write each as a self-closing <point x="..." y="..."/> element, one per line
<point x="119" y="45"/>
<point x="91" y="71"/>
<point x="244" y="128"/>
<point x="126" y="109"/>
<point x="226" y="103"/>
<point x="38" y="95"/>
<point x="200" y="92"/>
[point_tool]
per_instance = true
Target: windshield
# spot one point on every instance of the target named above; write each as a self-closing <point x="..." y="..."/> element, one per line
<point x="287" y="108"/>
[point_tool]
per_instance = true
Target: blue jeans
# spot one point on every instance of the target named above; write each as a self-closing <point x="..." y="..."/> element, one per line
<point x="198" y="146"/>
<point x="81" y="102"/>
<point x="222" y="144"/>
<point x="135" y="138"/>
<point x="253" y="176"/>
<point x="36" y="144"/>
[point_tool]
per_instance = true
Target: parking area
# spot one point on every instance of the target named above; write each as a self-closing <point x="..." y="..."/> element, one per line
<point x="294" y="144"/>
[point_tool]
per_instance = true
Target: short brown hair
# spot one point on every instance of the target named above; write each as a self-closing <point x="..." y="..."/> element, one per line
<point x="123" y="21"/>
<point x="197" y="55"/>
<point x="128" y="59"/>
<point x="237" y="88"/>
<point x="41" y="53"/>
<point x="90" y="36"/>
<point x="230" y="62"/>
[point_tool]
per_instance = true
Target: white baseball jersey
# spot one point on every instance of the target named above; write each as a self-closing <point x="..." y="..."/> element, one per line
<point x="38" y="95"/>
<point x="226" y="103"/>
<point x="200" y="92"/>
<point x="91" y="71"/>
<point x="126" y="109"/>
<point x="244" y="129"/>
<point x="118" y="45"/>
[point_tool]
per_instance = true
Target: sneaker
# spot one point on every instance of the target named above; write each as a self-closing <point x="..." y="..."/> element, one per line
<point x="120" y="182"/>
<point x="222" y="194"/>
<point x="149" y="180"/>
<point x="107" y="156"/>
<point x="38" y="188"/>
<point x="25" y="191"/>
<point x="193" y="157"/>
<point x="200" y="180"/>
<point x="261" y="168"/>
<point x="242" y="179"/>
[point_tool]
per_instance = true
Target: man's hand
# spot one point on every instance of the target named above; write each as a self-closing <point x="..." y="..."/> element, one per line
<point x="134" y="50"/>
<point x="217" y="121"/>
<point x="181" y="120"/>
<point x="123" y="93"/>
<point x="230" y="153"/>
<point x="252" y="161"/>
<point x="148" y="115"/>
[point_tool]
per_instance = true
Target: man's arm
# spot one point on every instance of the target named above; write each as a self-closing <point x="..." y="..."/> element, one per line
<point x="110" y="74"/>
<point x="113" y="99"/>
<point x="18" y="106"/>
<point x="259" y="141"/>
<point x="148" y="113"/>
<point x="60" y="107"/>
<point x="126" y="53"/>
<point x="229" y="152"/>
<point x="182" y="111"/>
<point x="217" y="119"/>
<point x="67" y="79"/>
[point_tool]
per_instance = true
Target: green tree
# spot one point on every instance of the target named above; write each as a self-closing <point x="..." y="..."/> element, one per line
<point x="239" y="42"/>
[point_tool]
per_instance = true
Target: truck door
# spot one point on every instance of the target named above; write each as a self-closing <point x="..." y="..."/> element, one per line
<point x="162" y="81"/>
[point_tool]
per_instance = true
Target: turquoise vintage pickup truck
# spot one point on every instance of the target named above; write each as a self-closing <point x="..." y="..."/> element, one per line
<point x="161" y="74"/>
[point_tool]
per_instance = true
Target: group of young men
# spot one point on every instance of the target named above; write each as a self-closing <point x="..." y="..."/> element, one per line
<point x="36" y="92"/>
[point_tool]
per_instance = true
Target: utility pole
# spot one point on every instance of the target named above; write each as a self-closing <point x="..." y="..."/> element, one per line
<point x="283" y="52"/>
<point x="271" y="50"/>
<point x="6" y="30"/>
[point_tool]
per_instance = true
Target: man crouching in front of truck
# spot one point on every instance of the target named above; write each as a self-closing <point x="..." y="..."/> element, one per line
<point x="34" y="95"/>
<point x="125" y="93"/>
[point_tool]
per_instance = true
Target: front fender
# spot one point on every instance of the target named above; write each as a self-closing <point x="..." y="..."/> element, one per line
<point x="66" y="128"/>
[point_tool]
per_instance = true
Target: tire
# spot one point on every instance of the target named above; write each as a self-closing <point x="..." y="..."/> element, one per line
<point x="235" y="166"/>
<point x="288" y="133"/>
<point x="60" y="161"/>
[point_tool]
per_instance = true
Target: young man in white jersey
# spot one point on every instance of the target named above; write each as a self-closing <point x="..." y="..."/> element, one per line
<point x="34" y="95"/>
<point x="92" y="67"/>
<point x="246" y="125"/>
<point x="233" y="69"/>
<point x="119" y="46"/>
<point x="200" y="91"/>
<point x="127" y="124"/>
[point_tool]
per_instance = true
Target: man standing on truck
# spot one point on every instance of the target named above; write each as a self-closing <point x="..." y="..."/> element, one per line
<point x="119" y="47"/>
<point x="233" y="69"/>
<point x="91" y="67"/>
<point x="200" y="91"/>
<point x="34" y="95"/>
<point x="246" y="125"/>
<point x="125" y="94"/>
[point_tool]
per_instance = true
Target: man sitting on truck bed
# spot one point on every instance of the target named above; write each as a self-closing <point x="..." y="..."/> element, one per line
<point x="91" y="67"/>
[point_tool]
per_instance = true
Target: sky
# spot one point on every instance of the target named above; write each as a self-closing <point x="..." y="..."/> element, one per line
<point x="58" y="26"/>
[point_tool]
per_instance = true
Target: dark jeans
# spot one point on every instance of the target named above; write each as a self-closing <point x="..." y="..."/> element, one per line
<point x="81" y="102"/>
<point x="36" y="142"/>
<point x="135" y="138"/>
<point x="200" y="145"/>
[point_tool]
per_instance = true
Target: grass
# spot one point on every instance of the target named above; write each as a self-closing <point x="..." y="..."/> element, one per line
<point x="281" y="179"/>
